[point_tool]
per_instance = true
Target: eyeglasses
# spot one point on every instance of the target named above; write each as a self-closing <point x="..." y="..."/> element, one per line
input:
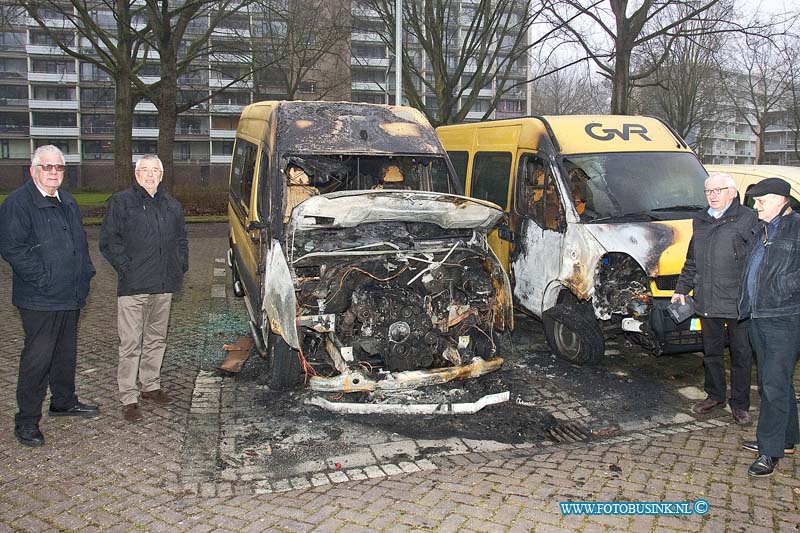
<point x="49" y="168"/>
<point x="718" y="191"/>
<point x="153" y="171"/>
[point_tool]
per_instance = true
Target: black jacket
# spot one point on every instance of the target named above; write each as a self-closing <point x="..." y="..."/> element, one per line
<point x="715" y="260"/>
<point x="144" y="239"/>
<point x="46" y="247"/>
<point x="776" y="290"/>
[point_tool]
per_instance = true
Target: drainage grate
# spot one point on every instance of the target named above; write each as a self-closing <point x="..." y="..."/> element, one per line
<point x="570" y="432"/>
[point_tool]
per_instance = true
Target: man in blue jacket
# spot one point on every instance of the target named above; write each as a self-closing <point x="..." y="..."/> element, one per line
<point x="770" y="296"/>
<point x="42" y="238"/>
<point x="144" y="238"/>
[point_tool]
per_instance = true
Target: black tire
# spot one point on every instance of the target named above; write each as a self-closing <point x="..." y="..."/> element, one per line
<point x="574" y="334"/>
<point x="285" y="371"/>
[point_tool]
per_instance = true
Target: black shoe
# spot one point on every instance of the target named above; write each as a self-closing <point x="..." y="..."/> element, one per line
<point x="741" y="416"/>
<point x="762" y="467"/>
<point x="706" y="406"/>
<point x="29" y="436"/>
<point x="753" y="447"/>
<point x="79" y="409"/>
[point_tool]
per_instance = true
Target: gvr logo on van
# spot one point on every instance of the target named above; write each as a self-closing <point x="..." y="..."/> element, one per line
<point x="609" y="133"/>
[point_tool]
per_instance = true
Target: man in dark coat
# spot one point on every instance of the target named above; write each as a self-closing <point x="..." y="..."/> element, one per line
<point x="144" y="238"/>
<point x="42" y="238"/>
<point x="713" y="268"/>
<point x="770" y="296"/>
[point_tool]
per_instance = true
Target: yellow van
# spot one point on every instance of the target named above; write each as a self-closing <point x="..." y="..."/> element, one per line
<point x="361" y="265"/>
<point x="597" y="222"/>
<point x="748" y="175"/>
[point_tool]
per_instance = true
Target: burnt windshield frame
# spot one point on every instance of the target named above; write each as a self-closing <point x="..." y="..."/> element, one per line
<point x="349" y="172"/>
<point x="618" y="184"/>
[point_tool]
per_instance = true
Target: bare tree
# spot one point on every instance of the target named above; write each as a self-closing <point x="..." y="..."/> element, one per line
<point x="180" y="34"/>
<point x="567" y="92"/>
<point x="113" y="47"/>
<point x="686" y="89"/>
<point x="619" y="36"/>
<point x="756" y="83"/>
<point x="792" y="53"/>
<point x="304" y="47"/>
<point x="456" y="49"/>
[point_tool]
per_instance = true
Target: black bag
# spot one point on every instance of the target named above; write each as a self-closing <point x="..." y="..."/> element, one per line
<point x="680" y="312"/>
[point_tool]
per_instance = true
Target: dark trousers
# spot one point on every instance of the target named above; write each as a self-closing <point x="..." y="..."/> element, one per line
<point x="48" y="358"/>
<point x="776" y="342"/>
<point x="714" y="360"/>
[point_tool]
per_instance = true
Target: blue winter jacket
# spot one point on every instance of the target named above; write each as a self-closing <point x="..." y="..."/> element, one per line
<point x="776" y="291"/>
<point x="46" y="246"/>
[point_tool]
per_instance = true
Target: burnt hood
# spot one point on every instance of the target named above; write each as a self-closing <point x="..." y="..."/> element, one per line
<point x="347" y="209"/>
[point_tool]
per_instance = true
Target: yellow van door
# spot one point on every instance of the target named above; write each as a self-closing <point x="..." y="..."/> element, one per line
<point x="491" y="181"/>
<point x="246" y="226"/>
<point x="540" y="235"/>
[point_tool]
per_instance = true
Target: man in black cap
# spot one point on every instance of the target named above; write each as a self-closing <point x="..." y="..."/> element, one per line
<point x="770" y="296"/>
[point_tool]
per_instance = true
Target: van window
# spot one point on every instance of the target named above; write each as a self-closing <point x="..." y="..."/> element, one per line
<point x="537" y="195"/>
<point x="460" y="160"/>
<point x="490" y="175"/>
<point x="242" y="169"/>
<point x="263" y="197"/>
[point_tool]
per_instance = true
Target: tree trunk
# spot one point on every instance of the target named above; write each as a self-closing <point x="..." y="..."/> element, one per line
<point x="168" y="112"/>
<point x="123" y="138"/>
<point x="620" y="91"/>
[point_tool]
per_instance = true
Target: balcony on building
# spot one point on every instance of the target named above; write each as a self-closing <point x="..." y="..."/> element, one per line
<point x="65" y="77"/>
<point x="54" y="97"/>
<point x="50" y="131"/>
<point x="14" y="124"/>
<point x="72" y="159"/>
<point x="370" y="61"/>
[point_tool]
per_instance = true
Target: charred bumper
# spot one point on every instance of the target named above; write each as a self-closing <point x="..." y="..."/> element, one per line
<point x="358" y="381"/>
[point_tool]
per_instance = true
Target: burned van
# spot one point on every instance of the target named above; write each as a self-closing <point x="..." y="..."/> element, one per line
<point x="361" y="264"/>
<point x="598" y="219"/>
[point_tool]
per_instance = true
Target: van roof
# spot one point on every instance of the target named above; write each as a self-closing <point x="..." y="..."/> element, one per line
<point x="586" y="134"/>
<point x="342" y="127"/>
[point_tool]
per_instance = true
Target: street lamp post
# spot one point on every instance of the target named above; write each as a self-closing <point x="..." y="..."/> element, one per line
<point x="398" y="53"/>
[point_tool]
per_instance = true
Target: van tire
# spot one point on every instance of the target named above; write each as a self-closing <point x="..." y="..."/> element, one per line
<point x="285" y="371"/>
<point x="574" y="334"/>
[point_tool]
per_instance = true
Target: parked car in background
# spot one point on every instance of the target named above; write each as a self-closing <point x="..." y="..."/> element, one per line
<point x="369" y="270"/>
<point x="748" y="175"/>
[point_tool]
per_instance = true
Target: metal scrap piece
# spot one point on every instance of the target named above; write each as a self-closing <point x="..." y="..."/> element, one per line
<point x="466" y="408"/>
<point x="358" y="381"/>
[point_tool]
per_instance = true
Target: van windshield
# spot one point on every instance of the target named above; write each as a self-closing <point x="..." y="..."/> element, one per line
<point x="647" y="184"/>
<point x="359" y="172"/>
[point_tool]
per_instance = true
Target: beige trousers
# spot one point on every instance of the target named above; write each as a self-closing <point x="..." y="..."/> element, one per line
<point x="142" y="321"/>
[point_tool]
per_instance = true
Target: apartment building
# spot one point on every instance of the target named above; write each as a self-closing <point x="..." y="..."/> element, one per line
<point x="50" y="97"/>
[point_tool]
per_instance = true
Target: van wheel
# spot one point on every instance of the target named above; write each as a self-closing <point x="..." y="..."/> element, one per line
<point x="574" y="334"/>
<point x="285" y="371"/>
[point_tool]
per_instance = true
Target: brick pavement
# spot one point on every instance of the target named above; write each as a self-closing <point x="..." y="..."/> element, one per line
<point x="105" y="474"/>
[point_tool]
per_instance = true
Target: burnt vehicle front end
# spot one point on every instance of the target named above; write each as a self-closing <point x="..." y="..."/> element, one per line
<point x="634" y="234"/>
<point x="372" y="285"/>
<point x="396" y="289"/>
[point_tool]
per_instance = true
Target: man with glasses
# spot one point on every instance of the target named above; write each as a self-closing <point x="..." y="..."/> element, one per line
<point x="144" y="238"/>
<point x="42" y="238"/>
<point x="713" y="269"/>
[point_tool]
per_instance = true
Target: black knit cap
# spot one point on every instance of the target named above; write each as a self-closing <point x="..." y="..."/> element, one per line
<point x="769" y="186"/>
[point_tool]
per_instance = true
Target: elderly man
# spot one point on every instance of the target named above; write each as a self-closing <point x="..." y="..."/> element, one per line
<point x="42" y="238"/>
<point x="144" y="238"/>
<point x="770" y="296"/>
<point x="713" y="268"/>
